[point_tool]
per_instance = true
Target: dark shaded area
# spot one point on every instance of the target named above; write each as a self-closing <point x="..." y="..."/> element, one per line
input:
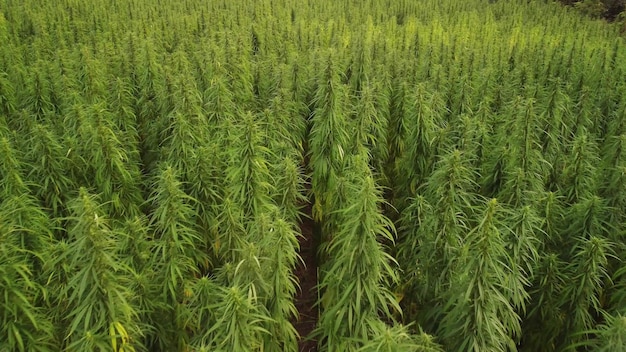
<point x="612" y="7"/>
<point x="306" y="273"/>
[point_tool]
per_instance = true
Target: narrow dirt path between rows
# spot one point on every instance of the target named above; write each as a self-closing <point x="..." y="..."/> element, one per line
<point x="307" y="277"/>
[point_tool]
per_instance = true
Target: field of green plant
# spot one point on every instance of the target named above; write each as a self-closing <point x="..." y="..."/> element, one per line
<point x="464" y="163"/>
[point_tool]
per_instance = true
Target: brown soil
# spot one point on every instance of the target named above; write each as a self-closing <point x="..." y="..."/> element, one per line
<point x="307" y="276"/>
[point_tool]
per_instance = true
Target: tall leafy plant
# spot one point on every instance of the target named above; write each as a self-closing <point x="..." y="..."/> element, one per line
<point x="96" y="306"/>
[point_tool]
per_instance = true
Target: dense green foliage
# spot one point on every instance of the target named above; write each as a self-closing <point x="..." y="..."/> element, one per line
<point x="466" y="162"/>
